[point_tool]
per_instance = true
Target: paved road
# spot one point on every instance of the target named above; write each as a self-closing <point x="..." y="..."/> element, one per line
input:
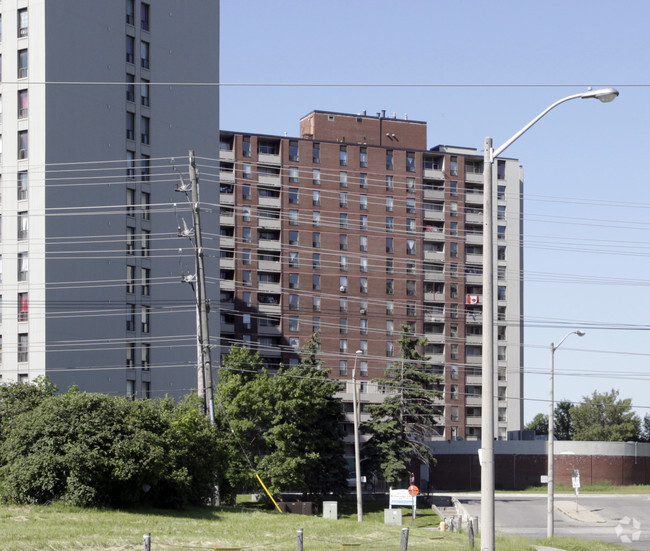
<point x="622" y="519"/>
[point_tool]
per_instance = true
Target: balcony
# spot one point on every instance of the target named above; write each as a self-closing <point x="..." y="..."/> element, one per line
<point x="226" y="242"/>
<point x="474" y="177"/>
<point x="435" y="215"/>
<point x="474" y="238"/>
<point x="434" y="172"/>
<point x="226" y="198"/>
<point x="434" y="193"/>
<point x="269" y="266"/>
<point x="435" y="316"/>
<point x="226" y="220"/>
<point x="269" y="309"/>
<point x="474" y="197"/>
<point x="227" y="285"/>
<point x="434" y="297"/>
<point x="269" y="202"/>
<point x="473" y="380"/>
<point x="271" y="180"/>
<point x="435" y="338"/>
<point x="227" y="263"/>
<point x="474" y="339"/>
<point x="227" y="155"/>
<point x="474" y="317"/>
<point x="475" y="360"/>
<point x="473" y="421"/>
<point x="430" y="275"/>
<point x="432" y="233"/>
<point x="269" y="223"/>
<point x="275" y="288"/>
<point x="471" y="258"/>
<point x="227" y="176"/>
<point x="438" y="256"/>
<point x="269" y="244"/>
<point x="473" y="217"/>
<point x="268" y="158"/>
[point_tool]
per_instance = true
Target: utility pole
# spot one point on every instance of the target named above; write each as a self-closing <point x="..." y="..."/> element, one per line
<point x="203" y="335"/>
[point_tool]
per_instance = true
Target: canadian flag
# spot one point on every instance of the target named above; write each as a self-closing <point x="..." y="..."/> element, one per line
<point x="472" y="299"/>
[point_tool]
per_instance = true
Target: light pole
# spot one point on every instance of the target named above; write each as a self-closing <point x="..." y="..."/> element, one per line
<point x="357" y="454"/>
<point x="487" y="362"/>
<point x="551" y="436"/>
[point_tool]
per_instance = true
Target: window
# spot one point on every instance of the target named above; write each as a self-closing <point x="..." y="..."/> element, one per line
<point x="390" y="286"/>
<point x="23" y="22"/>
<point x="501" y="292"/>
<point x="501" y="232"/>
<point x="293" y="217"/>
<point x="410" y="225"/>
<point x="363" y="180"/>
<point x="315" y="177"/>
<point x="145" y="242"/>
<point x="343" y="346"/>
<point x="23" y="104"/>
<point x="294" y="302"/>
<point x="246" y="188"/>
<point x="343" y="284"/>
<point x="144" y="93"/>
<point x="343" y="220"/>
<point x="390" y="328"/>
<point x="315" y="261"/>
<point x="363" y="202"/>
<point x="389" y="266"/>
<point x="315" y="325"/>
<point x="363" y="157"/>
<point x="315" y="282"/>
<point x="363" y="346"/>
<point x="130" y="49"/>
<point x="23" y="307"/>
<point x="145" y="201"/>
<point x="144" y="16"/>
<point x="343" y="263"/>
<point x="453" y="228"/>
<point x="293" y="237"/>
<point x="144" y="130"/>
<point x="410" y="161"/>
<point x="363" y="243"/>
<point x="145" y="281"/>
<point x="145" y="356"/>
<point x="389" y="224"/>
<point x="130" y="317"/>
<point x="343" y="155"/>
<point x="363" y="326"/>
<point x="23" y="347"/>
<point x="130" y="202"/>
<point x="293" y="174"/>
<point x="363" y="264"/>
<point x="315" y="304"/>
<point x="130" y="355"/>
<point x="501" y="212"/>
<point x="363" y="367"/>
<point x="343" y="326"/>
<point x="144" y="54"/>
<point x="246" y="146"/>
<point x="390" y="186"/>
<point x="130" y="279"/>
<point x="390" y="349"/>
<point x="246" y="278"/>
<point x="294" y="325"/>
<point x="23" y="225"/>
<point x="23" y="266"/>
<point x="501" y="192"/>
<point x="410" y="288"/>
<point x="23" y="184"/>
<point x="343" y="179"/>
<point x="343" y="368"/>
<point x="343" y="305"/>
<point x="130" y="126"/>
<point x="130" y="165"/>
<point x="389" y="244"/>
<point x="410" y="185"/>
<point x="390" y="307"/>
<point x="130" y="91"/>
<point x="246" y="234"/>
<point x="410" y="246"/>
<point x="130" y="12"/>
<point x="501" y="170"/>
<point x="410" y="206"/>
<point x="315" y="156"/>
<point x="293" y="259"/>
<point x="363" y="222"/>
<point x="23" y="144"/>
<point x="145" y="312"/>
<point x="389" y="159"/>
<point x="315" y="240"/>
<point x="501" y="252"/>
<point x="343" y="200"/>
<point x="343" y="241"/>
<point x="453" y="250"/>
<point x="453" y="166"/>
<point x="363" y="285"/>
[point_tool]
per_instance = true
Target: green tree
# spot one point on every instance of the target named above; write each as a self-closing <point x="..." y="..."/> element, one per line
<point x="539" y="424"/>
<point x="605" y="417"/>
<point x="402" y="423"/>
<point x="644" y="436"/>
<point x="285" y="427"/>
<point x="563" y="423"/>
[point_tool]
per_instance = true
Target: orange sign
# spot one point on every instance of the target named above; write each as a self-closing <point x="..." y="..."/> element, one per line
<point x="413" y="490"/>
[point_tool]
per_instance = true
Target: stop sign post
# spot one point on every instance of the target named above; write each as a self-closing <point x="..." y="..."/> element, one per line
<point x="413" y="491"/>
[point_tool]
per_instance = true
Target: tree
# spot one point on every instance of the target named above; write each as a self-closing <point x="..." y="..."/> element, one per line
<point x="605" y="417"/>
<point x="400" y="425"/>
<point x="286" y="427"/>
<point x="644" y="435"/>
<point x="563" y="424"/>
<point x="539" y="424"/>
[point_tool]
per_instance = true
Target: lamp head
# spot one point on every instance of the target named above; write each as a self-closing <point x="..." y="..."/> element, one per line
<point x="603" y="94"/>
<point x="359" y="352"/>
<point x="580" y="333"/>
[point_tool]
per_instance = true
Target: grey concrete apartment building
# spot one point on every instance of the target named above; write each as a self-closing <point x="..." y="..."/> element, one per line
<point x="356" y="227"/>
<point x="91" y="292"/>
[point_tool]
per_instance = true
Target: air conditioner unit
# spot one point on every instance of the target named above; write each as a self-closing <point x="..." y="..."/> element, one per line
<point x="343" y="289"/>
<point x="363" y="311"/>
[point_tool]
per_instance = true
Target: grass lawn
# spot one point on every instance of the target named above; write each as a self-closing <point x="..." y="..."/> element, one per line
<point x="61" y="528"/>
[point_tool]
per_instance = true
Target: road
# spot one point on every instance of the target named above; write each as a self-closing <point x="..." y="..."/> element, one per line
<point x="622" y="519"/>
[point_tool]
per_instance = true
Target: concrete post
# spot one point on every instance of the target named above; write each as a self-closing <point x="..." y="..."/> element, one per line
<point x="147" y="542"/>
<point x="404" y="542"/>
<point x="299" y="539"/>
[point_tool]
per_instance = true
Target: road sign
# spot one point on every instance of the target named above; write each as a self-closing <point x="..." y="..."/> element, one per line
<point x="413" y="490"/>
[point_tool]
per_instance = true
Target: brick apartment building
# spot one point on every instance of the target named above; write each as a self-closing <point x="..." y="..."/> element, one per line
<point x="355" y="228"/>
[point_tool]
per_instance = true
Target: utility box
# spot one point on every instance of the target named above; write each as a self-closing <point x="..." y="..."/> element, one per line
<point x="330" y="510"/>
<point x="393" y="516"/>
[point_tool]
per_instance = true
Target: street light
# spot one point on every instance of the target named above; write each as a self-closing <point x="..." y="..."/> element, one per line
<point x="551" y="436"/>
<point x="357" y="455"/>
<point x="487" y="363"/>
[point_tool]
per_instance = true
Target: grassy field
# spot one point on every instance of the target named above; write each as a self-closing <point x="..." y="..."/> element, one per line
<point x="595" y="489"/>
<point x="61" y="528"/>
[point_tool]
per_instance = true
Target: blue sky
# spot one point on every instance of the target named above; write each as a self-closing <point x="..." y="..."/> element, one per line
<point x="472" y="69"/>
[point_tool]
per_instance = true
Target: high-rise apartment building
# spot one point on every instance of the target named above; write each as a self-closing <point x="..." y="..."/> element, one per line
<point x="98" y="96"/>
<point x="354" y="229"/>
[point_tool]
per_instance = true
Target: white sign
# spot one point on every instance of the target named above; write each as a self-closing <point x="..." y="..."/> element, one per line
<point x="401" y="498"/>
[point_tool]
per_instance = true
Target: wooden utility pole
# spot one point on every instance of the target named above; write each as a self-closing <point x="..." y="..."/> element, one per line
<point x="203" y="335"/>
